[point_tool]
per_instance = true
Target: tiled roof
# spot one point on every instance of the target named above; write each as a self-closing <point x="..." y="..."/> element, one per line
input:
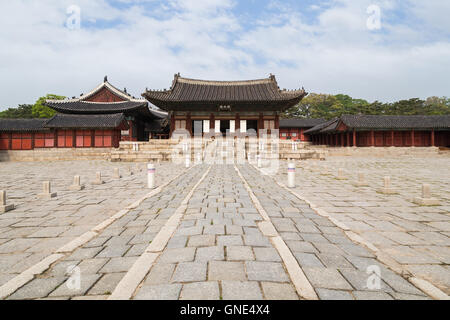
<point x="203" y="91"/>
<point x="86" y="121"/>
<point x="396" y="122"/>
<point x="85" y="107"/>
<point x="23" y="125"/>
<point x="81" y="105"/>
<point x="323" y="125"/>
<point x="376" y="122"/>
<point x="300" y="123"/>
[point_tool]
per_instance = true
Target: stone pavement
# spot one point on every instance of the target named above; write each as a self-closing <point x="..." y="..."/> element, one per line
<point x="37" y="227"/>
<point x="415" y="237"/>
<point x="218" y="250"/>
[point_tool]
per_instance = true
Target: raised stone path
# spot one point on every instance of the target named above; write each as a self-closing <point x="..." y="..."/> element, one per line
<point x="214" y="232"/>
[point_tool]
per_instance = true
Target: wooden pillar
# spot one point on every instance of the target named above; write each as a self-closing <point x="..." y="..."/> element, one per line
<point x="212" y="123"/>
<point x="354" y="138"/>
<point x="392" y="138"/>
<point x="172" y="124"/>
<point x="55" y="138"/>
<point x="433" y="144"/>
<point x="238" y="122"/>
<point x="348" y="139"/>
<point x="412" y="139"/>
<point x="10" y="141"/>
<point x="336" y="140"/>
<point x="372" y="138"/>
<point x="277" y="124"/>
<point x="92" y="139"/>
<point x="32" y="141"/>
<point x="341" y="135"/>
<point x="189" y="123"/>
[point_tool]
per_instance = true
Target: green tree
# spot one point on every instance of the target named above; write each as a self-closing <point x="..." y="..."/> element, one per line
<point x="23" y="111"/>
<point x="42" y="111"/>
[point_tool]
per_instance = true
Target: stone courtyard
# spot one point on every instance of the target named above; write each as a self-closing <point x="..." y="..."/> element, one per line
<point x="226" y="231"/>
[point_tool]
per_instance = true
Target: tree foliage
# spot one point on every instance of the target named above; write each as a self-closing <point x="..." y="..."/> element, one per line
<point x="42" y="111"/>
<point x="331" y="106"/>
<point x="23" y="111"/>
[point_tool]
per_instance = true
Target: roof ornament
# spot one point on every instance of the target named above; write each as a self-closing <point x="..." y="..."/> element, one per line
<point x="105" y="79"/>
<point x="125" y="90"/>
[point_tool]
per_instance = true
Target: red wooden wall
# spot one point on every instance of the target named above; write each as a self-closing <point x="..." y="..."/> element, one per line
<point x="60" y="139"/>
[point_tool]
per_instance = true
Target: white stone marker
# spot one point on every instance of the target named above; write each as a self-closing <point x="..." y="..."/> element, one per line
<point x="361" y="181"/>
<point x="259" y="161"/>
<point x="47" y="191"/>
<point x="426" y="199"/>
<point x="188" y="161"/>
<point x="116" y="174"/>
<point x="291" y="175"/>
<point x="3" y="206"/>
<point x="387" y="187"/>
<point x="76" y="186"/>
<point x="151" y="176"/>
<point x="325" y="171"/>
<point x="98" y="179"/>
<point x="341" y="174"/>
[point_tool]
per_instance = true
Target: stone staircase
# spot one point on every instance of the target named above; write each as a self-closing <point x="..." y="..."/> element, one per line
<point x="166" y="150"/>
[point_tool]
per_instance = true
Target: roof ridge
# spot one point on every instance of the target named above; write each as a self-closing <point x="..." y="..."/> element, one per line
<point x="228" y="82"/>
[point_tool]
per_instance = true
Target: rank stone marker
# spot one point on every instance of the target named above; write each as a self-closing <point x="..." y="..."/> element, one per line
<point x="3" y="206"/>
<point x="47" y="191"/>
<point x="387" y="187"/>
<point x="116" y="174"/>
<point x="361" y="181"/>
<point x="98" y="179"/>
<point x="341" y="174"/>
<point x="291" y="175"/>
<point x="76" y="186"/>
<point x="426" y="199"/>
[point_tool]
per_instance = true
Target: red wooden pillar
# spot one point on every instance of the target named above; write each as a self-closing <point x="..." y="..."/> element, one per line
<point x="354" y="137"/>
<point x="277" y="122"/>
<point x="412" y="139"/>
<point x="10" y="141"/>
<point x="348" y="139"/>
<point x="372" y="138"/>
<point x="392" y="138"/>
<point x="336" y="140"/>
<point x="55" y="137"/>
<point x="433" y="144"/>
<point x="189" y="123"/>
<point x="238" y="122"/>
<point x="341" y="135"/>
<point x="260" y="123"/>
<point x="32" y="141"/>
<point x="212" y="123"/>
<point x="92" y="138"/>
<point x="74" y="139"/>
<point x="172" y="124"/>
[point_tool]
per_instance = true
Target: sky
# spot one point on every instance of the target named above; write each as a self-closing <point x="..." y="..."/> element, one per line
<point x="382" y="50"/>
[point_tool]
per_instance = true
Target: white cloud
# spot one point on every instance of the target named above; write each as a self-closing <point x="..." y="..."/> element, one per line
<point x="206" y="39"/>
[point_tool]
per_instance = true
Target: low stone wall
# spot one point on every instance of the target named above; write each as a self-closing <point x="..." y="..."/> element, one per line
<point x="380" y="151"/>
<point x="56" y="154"/>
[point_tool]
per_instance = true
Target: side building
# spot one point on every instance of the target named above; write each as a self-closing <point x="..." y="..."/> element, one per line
<point x="100" y="119"/>
<point x="383" y="131"/>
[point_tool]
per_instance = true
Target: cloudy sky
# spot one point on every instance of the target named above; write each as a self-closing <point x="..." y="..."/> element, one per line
<point x="329" y="46"/>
